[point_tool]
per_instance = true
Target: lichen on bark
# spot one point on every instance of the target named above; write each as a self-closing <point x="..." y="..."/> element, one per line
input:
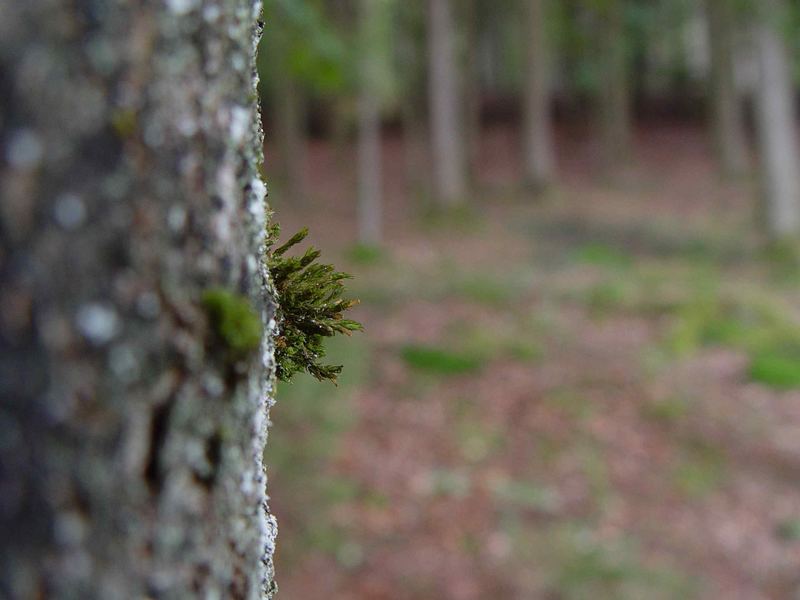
<point x="131" y="462"/>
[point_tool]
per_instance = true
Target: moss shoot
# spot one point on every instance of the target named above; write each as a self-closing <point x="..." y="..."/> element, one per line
<point x="311" y="305"/>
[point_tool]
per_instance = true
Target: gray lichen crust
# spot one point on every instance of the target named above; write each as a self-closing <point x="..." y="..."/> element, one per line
<point x="131" y="455"/>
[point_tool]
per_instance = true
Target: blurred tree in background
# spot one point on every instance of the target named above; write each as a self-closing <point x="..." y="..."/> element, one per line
<point x="436" y="70"/>
<point x="776" y="121"/>
<point x="727" y="113"/>
<point x="539" y="151"/>
<point x="299" y="61"/>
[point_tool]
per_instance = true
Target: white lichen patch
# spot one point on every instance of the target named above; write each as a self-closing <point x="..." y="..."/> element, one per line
<point x="98" y="322"/>
<point x="241" y="120"/>
<point x="24" y="150"/>
<point x="182" y="7"/>
<point x="69" y="211"/>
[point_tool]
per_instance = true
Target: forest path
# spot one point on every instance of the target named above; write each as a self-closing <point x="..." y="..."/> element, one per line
<point x="553" y="399"/>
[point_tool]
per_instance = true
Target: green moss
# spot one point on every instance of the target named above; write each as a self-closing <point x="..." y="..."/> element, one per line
<point x="776" y="369"/>
<point x="788" y="530"/>
<point x="310" y="307"/>
<point x="602" y="255"/>
<point x="366" y="254"/>
<point x="461" y="217"/>
<point x="487" y="290"/>
<point x="494" y="342"/>
<point x="439" y="361"/>
<point x="785" y="250"/>
<point x="578" y="563"/>
<point x="608" y="297"/>
<point x="667" y="410"/>
<point x="755" y="326"/>
<point x="124" y="121"/>
<point x="233" y="320"/>
<point x="701" y="470"/>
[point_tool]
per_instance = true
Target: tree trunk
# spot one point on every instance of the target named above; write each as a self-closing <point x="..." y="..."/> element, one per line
<point x="291" y="139"/>
<point x="539" y="157"/>
<point x="131" y="455"/>
<point x="412" y="112"/>
<point x="615" y="106"/>
<point x="288" y="123"/>
<point x="447" y="147"/>
<point x="777" y="128"/>
<point x="369" y="130"/>
<point x="473" y="91"/>
<point x="727" y="116"/>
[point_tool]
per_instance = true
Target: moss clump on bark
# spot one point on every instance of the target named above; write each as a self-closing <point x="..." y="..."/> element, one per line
<point x="311" y="305"/>
<point x="233" y="320"/>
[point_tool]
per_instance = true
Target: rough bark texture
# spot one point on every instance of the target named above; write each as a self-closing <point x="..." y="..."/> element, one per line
<point x="777" y="127"/>
<point x="447" y="144"/>
<point x="131" y="455"/>
<point x="727" y="115"/>
<point x="369" y="130"/>
<point x="539" y="158"/>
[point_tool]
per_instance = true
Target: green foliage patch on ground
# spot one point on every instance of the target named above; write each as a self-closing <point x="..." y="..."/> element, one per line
<point x="701" y="469"/>
<point x="581" y="565"/>
<point x="440" y="361"/>
<point x="603" y="255"/>
<point x="365" y="254"/>
<point x="788" y="530"/>
<point x="769" y="336"/>
<point x="776" y="369"/>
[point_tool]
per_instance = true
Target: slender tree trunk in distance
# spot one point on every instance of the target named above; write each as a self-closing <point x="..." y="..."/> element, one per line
<point x="538" y="134"/>
<point x="415" y="148"/>
<point x="132" y="442"/>
<point x="615" y="105"/>
<point x="415" y="133"/>
<point x="449" y="172"/>
<point x="473" y="85"/>
<point x="727" y="116"/>
<point x="291" y="129"/>
<point x="345" y="106"/>
<point x="288" y="124"/>
<point x="369" y="130"/>
<point x="777" y="127"/>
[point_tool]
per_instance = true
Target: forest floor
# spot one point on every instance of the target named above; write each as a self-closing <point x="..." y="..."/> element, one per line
<point x="595" y="394"/>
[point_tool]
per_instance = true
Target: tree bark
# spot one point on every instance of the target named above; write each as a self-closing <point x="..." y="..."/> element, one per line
<point x="777" y="127"/>
<point x="131" y="454"/>
<point x="369" y="130"/>
<point x="447" y="144"/>
<point x="727" y="116"/>
<point x="615" y="105"/>
<point x="539" y="155"/>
